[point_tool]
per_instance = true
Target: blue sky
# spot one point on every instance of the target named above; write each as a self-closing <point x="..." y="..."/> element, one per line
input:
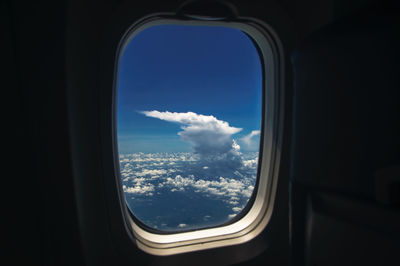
<point x="206" y="70"/>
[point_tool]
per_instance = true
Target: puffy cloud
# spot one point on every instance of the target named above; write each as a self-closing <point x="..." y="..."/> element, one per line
<point x="179" y="181"/>
<point x="208" y="135"/>
<point x="235" y="146"/>
<point x="230" y="188"/>
<point x="193" y="121"/>
<point x="250" y="139"/>
<point x="236" y="209"/>
<point x="252" y="163"/>
<point x="154" y="172"/>
<point x="195" y="174"/>
<point x="156" y="158"/>
<point x="139" y="189"/>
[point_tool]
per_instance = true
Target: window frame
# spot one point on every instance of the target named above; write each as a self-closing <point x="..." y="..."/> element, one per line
<point x="259" y="214"/>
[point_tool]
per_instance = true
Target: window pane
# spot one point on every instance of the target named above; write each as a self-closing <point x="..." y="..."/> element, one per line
<point x="188" y="124"/>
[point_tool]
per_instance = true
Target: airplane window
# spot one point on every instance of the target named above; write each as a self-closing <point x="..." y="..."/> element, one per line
<point x="188" y="123"/>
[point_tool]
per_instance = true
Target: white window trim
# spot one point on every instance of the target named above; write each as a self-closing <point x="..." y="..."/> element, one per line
<point x="257" y="218"/>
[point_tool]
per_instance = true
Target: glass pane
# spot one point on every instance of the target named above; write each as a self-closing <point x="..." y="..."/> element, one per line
<point x="189" y="106"/>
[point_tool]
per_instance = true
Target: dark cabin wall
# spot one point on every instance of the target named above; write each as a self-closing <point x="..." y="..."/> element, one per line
<point x="352" y="67"/>
<point x="41" y="198"/>
<point x="44" y="231"/>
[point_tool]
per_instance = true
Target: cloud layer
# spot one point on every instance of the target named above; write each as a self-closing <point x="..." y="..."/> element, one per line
<point x="161" y="188"/>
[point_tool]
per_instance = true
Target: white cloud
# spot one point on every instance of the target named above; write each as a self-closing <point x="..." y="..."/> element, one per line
<point x="179" y="181"/>
<point x="193" y="121"/>
<point x="206" y="218"/>
<point x="207" y="134"/>
<point x="252" y="163"/>
<point x="139" y="189"/>
<point x="154" y="172"/>
<point x="181" y="225"/>
<point x="236" y="209"/>
<point x="249" y="139"/>
<point x="227" y="187"/>
<point x="235" y="146"/>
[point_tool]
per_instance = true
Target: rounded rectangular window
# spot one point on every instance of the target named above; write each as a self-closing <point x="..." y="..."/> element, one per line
<point x="189" y="118"/>
<point x="191" y="112"/>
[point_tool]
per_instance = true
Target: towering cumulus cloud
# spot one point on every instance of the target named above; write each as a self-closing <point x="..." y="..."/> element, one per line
<point x="210" y="137"/>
